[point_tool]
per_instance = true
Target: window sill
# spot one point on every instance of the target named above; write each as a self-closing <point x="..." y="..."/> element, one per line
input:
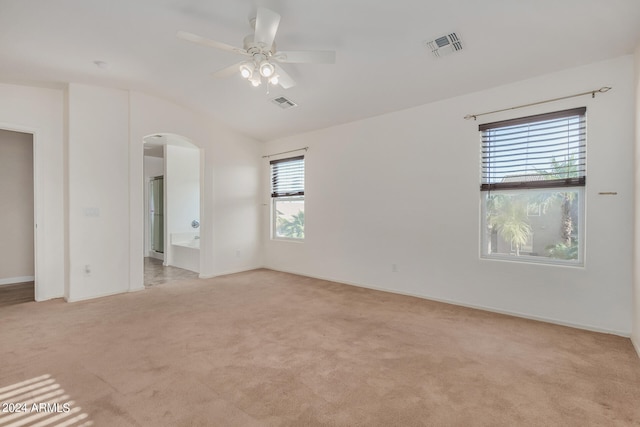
<point x="523" y="259"/>
<point x="284" y="239"/>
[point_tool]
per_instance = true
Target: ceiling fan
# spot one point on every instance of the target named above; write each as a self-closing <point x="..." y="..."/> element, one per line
<point x="262" y="60"/>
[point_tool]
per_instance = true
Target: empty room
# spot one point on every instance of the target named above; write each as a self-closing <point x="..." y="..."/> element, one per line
<point x="285" y="213"/>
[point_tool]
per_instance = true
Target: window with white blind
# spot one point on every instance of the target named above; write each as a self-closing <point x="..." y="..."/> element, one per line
<point x="532" y="187"/>
<point x="287" y="198"/>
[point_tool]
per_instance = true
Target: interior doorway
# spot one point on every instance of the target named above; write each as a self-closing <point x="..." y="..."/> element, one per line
<point x="17" y="218"/>
<point x="172" y="209"/>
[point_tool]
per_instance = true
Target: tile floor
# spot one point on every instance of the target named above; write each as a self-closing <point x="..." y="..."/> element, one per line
<point x="155" y="273"/>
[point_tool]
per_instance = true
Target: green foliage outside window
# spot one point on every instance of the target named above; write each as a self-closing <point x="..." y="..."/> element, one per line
<point x="291" y="228"/>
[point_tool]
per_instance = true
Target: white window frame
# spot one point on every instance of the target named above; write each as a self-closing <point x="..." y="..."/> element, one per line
<point x="287" y="185"/>
<point x="526" y="188"/>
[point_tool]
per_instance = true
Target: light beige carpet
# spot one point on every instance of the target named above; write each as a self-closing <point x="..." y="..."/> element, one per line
<point x="265" y="348"/>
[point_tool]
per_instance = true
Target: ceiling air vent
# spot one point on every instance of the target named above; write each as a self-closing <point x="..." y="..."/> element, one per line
<point x="283" y="102"/>
<point x="444" y="45"/>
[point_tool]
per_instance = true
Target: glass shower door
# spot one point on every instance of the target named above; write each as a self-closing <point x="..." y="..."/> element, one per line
<point x="156" y="202"/>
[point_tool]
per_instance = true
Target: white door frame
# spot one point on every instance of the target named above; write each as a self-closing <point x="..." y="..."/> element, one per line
<point x="36" y="231"/>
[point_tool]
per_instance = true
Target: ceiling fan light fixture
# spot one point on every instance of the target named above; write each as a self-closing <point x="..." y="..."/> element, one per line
<point x="246" y="71"/>
<point x="260" y="53"/>
<point x="267" y="69"/>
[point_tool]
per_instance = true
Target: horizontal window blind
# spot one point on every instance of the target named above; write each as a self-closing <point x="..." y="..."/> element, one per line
<point x="287" y="177"/>
<point x="542" y="151"/>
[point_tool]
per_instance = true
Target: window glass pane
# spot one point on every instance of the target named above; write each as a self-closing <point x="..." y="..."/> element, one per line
<point x="288" y="217"/>
<point x="541" y="223"/>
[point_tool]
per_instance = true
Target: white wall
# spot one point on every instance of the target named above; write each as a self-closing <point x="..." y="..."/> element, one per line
<point x="153" y="166"/>
<point x="635" y="336"/>
<point x="16" y="211"/>
<point x="41" y="112"/>
<point x="89" y="191"/>
<point x="235" y="184"/>
<point x="182" y="192"/>
<point x="106" y="188"/>
<point x="230" y="165"/>
<point x="403" y="188"/>
<point x="98" y="168"/>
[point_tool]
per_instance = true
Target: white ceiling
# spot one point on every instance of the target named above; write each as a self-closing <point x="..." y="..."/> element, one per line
<point x="381" y="63"/>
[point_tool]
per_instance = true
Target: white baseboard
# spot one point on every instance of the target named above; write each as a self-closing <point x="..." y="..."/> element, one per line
<point x="14" y="280"/>
<point x="625" y="334"/>
<point x="636" y="345"/>
<point x="242" y="270"/>
<point x="90" y="297"/>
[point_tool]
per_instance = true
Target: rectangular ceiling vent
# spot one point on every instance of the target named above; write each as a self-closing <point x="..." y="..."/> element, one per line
<point x="283" y="102"/>
<point x="444" y="45"/>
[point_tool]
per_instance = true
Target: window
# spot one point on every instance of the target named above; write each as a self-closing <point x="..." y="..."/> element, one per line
<point x="533" y="178"/>
<point x="287" y="198"/>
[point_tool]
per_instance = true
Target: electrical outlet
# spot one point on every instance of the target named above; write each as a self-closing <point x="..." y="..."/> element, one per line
<point x="87" y="270"/>
<point x="237" y="253"/>
<point x="394" y="268"/>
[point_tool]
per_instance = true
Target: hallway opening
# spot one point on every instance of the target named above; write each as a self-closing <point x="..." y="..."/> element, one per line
<point x="17" y="217"/>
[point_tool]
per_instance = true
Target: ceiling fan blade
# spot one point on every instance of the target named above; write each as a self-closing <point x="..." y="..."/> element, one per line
<point x="194" y="38"/>
<point x="284" y="79"/>
<point x="306" y="57"/>
<point x="226" y="72"/>
<point x="267" y="22"/>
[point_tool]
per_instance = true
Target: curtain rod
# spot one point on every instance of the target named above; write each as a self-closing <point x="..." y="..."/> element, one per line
<point x="285" y="152"/>
<point x="591" y="92"/>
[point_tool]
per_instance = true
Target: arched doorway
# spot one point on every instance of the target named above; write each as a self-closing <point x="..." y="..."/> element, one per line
<point x="172" y="208"/>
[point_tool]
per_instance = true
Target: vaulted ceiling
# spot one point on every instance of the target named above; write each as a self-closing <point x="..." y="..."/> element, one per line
<point x="382" y="64"/>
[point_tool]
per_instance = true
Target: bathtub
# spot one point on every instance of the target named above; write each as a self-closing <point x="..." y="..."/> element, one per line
<point x="185" y="251"/>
